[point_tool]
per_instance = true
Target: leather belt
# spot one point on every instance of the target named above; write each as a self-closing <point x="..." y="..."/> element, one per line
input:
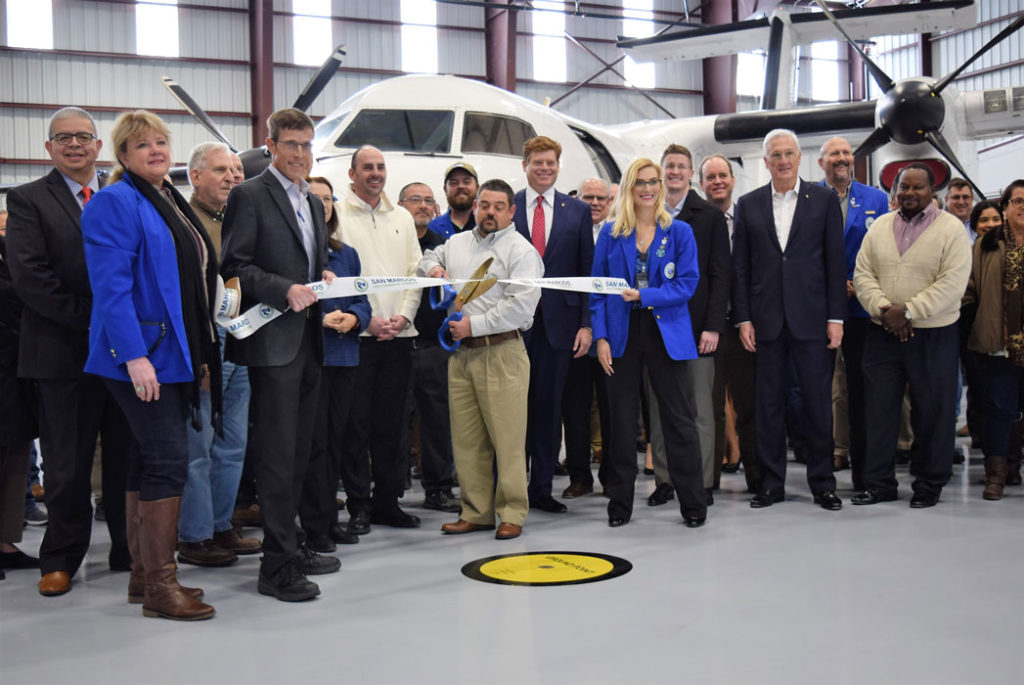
<point x="488" y="340"/>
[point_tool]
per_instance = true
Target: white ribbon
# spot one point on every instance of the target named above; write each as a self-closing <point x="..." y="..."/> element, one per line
<point x="256" y="317"/>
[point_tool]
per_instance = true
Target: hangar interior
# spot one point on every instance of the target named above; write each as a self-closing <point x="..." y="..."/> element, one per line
<point x="792" y="595"/>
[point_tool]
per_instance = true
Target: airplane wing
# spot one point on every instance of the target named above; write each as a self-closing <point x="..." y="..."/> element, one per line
<point x="807" y="27"/>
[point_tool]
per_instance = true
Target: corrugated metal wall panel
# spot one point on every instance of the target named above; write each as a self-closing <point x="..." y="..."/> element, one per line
<point x="461" y="52"/>
<point x="97" y="26"/>
<point x="456" y="15"/>
<point x="213" y="35"/>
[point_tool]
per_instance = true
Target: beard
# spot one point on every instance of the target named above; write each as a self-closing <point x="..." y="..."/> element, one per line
<point x="461" y="202"/>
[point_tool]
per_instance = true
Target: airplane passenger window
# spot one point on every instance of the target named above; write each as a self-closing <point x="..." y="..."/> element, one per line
<point x="495" y="135"/>
<point x="400" y="129"/>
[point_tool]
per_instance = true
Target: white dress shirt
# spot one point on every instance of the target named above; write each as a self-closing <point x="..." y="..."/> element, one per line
<point x="783" y="208"/>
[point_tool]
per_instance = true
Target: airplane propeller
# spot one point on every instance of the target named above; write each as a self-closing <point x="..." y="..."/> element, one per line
<point x="255" y="160"/>
<point x="912" y="111"/>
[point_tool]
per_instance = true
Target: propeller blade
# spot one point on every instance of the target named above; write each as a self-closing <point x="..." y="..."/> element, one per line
<point x="1013" y="26"/>
<point x="938" y="142"/>
<point x="877" y="139"/>
<point x="877" y="73"/>
<point x="320" y="79"/>
<point x="193" y="108"/>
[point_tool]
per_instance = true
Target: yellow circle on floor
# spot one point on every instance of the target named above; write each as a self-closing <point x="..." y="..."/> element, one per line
<point x="546" y="568"/>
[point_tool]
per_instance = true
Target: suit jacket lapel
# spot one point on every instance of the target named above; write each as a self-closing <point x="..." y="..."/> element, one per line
<point x="280" y="197"/>
<point x="769" y="208"/>
<point x="519" y="219"/>
<point x="60" y="191"/>
<point x="802" y="198"/>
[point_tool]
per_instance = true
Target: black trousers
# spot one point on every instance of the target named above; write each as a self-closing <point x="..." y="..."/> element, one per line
<point x="584" y="378"/>
<point x="72" y="413"/>
<point x="670" y="380"/>
<point x="374" y="434"/>
<point x="734" y="370"/>
<point x="548" y="370"/>
<point x="318" y="508"/>
<point x="928" y="362"/>
<point x="814" y="364"/>
<point x="283" y="405"/>
<point x="428" y="398"/>
<point x="855" y="332"/>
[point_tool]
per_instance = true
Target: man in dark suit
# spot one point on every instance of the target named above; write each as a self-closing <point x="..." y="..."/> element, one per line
<point x="707" y="316"/>
<point x="789" y="298"/>
<point x="47" y="262"/>
<point x="275" y="242"/>
<point x="561" y="230"/>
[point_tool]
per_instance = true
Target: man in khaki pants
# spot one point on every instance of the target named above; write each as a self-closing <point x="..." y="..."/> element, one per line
<point x="488" y="376"/>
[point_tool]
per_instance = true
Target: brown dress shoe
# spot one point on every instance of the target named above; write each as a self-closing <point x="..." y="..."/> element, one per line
<point x="230" y="539"/>
<point x="54" y="583"/>
<point x="38" y="494"/>
<point x="247" y="517"/>
<point x="507" y="531"/>
<point x="577" y="490"/>
<point x="840" y="462"/>
<point x="205" y="553"/>
<point x="460" y="527"/>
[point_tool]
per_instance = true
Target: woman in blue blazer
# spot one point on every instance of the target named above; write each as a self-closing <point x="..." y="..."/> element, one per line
<point x="648" y="326"/>
<point x="153" y="272"/>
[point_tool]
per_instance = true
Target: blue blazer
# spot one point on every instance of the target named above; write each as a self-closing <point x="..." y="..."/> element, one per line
<point x="866" y="205"/>
<point x="801" y="288"/>
<point x="343" y="350"/>
<point x="569" y="252"/>
<point x="672" y="278"/>
<point x="133" y="271"/>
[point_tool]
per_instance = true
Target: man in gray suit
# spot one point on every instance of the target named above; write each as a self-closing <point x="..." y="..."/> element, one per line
<point x="275" y="242"/>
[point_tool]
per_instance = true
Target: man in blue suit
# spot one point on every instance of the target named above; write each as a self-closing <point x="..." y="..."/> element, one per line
<point x="861" y="205"/>
<point x="561" y="230"/>
<point x="790" y="299"/>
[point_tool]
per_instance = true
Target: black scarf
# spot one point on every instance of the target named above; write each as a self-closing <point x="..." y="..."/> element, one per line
<point x="198" y="304"/>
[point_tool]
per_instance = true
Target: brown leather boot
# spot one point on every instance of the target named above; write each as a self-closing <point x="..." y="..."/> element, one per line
<point x="137" y="579"/>
<point x="164" y="596"/>
<point x="995" y="478"/>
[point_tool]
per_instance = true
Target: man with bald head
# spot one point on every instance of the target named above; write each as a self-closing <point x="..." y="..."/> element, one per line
<point x="384" y="235"/>
<point x="861" y="205"/>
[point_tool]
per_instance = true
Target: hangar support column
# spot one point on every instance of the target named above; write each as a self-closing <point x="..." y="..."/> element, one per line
<point x="261" y="66"/>
<point x="719" y="72"/>
<point x="500" y="41"/>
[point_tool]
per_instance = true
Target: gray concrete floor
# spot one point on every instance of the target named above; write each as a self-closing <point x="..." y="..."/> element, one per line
<point x="790" y="594"/>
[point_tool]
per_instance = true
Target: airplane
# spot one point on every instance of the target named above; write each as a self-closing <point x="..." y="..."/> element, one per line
<point x="423" y="123"/>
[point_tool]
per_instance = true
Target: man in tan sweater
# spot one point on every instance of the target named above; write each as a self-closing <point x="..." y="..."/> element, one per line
<point x="911" y="272"/>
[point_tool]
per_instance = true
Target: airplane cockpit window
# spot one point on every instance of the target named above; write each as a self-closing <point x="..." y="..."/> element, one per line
<point x="400" y="129"/>
<point x="495" y="135"/>
<point x="326" y="128"/>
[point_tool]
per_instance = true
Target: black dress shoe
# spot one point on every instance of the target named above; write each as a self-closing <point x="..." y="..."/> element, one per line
<point x="287" y="585"/>
<point x="694" y="521"/>
<point x="312" y="564"/>
<point x="396" y="518"/>
<point x="321" y="543"/>
<point x="17" y="559"/>
<point x="872" y="496"/>
<point x="731" y="468"/>
<point x="661" y="495"/>
<point x="561" y="470"/>
<point x="922" y="500"/>
<point x="439" y="500"/>
<point x="548" y="503"/>
<point x="828" y="500"/>
<point x="766" y="498"/>
<point x="616" y="521"/>
<point x="359" y="523"/>
<point x="342" y="536"/>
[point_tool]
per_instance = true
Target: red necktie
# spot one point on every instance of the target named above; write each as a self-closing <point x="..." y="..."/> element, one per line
<point x="86" y="195"/>
<point x="537" y="233"/>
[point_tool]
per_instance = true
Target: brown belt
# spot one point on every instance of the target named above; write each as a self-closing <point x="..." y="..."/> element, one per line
<point x="487" y="340"/>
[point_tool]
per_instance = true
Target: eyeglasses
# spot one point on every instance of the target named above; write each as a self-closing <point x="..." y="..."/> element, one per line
<point x="66" y="138"/>
<point x="292" y="146"/>
<point x="417" y="200"/>
<point x="592" y="198"/>
<point x="640" y="183"/>
<point x="1017" y="201"/>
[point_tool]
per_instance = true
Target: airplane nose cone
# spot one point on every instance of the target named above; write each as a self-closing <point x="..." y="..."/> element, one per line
<point x="910" y="110"/>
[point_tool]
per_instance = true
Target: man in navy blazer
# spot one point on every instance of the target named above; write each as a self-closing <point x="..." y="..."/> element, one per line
<point x="561" y="230"/>
<point x="861" y="205"/>
<point x="789" y="297"/>
<point x="275" y="242"/>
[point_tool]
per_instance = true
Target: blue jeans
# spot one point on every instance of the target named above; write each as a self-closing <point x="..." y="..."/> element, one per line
<point x="215" y="463"/>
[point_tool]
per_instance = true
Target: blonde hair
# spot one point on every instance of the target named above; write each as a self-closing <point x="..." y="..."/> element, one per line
<point x="625" y="213"/>
<point x="129" y="126"/>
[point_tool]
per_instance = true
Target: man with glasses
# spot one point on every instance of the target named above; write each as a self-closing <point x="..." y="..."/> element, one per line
<point x="47" y="263"/>
<point x="384" y="235"/>
<point x="275" y="242"/>
<point x="460" y="187"/>
<point x="428" y="385"/>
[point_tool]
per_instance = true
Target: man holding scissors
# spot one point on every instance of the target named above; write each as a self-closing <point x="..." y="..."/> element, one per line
<point x="488" y="376"/>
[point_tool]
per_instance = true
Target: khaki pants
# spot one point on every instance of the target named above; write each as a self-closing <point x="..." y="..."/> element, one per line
<point x="487" y="388"/>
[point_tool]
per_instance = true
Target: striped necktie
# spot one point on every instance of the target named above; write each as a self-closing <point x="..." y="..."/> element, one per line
<point x="537" y="234"/>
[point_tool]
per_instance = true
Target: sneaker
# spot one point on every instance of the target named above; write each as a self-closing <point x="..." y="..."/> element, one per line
<point x="310" y="563"/>
<point x="36" y="517"/>
<point x="287" y="585"/>
<point x="440" y="500"/>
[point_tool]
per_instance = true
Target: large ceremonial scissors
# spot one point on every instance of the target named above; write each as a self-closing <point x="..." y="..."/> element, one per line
<point x="476" y="287"/>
